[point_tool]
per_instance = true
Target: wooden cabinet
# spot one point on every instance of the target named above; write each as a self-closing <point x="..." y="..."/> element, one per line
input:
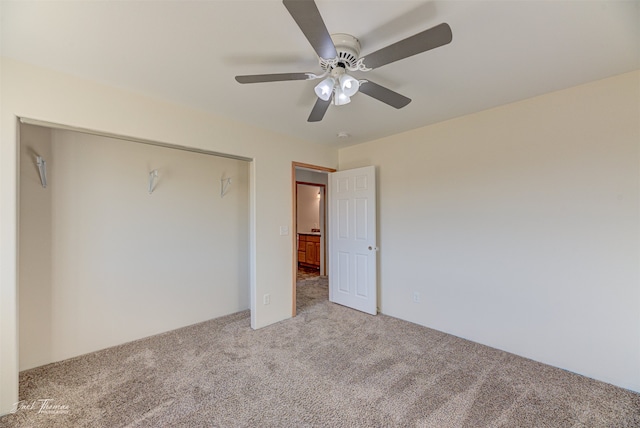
<point x="309" y="250"/>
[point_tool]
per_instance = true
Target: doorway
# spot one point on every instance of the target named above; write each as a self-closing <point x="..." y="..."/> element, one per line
<point x="310" y="244"/>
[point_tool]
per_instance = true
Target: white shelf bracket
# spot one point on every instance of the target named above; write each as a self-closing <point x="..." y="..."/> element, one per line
<point x="42" y="169"/>
<point x="152" y="178"/>
<point x="224" y="186"/>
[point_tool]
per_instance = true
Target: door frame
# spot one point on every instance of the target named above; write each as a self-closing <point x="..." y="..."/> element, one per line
<point x="294" y="216"/>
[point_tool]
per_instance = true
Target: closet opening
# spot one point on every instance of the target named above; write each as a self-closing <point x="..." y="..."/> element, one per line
<point x="121" y="239"/>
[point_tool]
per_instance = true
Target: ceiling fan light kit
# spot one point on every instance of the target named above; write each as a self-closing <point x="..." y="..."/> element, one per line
<point x="339" y="54"/>
<point x="339" y="84"/>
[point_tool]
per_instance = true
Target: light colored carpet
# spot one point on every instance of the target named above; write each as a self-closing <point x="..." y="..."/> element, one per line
<point x="328" y="367"/>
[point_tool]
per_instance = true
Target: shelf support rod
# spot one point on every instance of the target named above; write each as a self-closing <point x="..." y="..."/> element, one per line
<point x="224" y="186"/>
<point x="42" y="169"/>
<point x="152" y="178"/>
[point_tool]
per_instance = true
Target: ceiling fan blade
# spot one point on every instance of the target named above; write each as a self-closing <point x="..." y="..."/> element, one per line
<point x="383" y="94"/>
<point x="281" y="77"/>
<point x="308" y="18"/>
<point x="428" y="39"/>
<point x="319" y="109"/>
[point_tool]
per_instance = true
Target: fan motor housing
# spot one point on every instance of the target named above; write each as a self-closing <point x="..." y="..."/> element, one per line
<point x="348" y="48"/>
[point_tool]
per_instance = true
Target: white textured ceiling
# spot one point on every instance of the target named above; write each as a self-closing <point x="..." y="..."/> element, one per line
<point x="188" y="52"/>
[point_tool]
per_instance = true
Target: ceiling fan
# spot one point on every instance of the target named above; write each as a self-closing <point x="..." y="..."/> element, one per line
<point x="339" y="54"/>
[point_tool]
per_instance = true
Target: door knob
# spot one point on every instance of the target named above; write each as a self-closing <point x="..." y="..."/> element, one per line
<point x="373" y="248"/>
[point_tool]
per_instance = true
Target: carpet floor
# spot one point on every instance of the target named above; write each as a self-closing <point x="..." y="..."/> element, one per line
<point x="328" y="367"/>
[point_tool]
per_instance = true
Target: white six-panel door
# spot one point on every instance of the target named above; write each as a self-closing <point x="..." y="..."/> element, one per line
<point x="352" y="239"/>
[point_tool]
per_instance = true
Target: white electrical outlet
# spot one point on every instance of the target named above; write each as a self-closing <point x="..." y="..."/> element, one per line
<point x="416" y="297"/>
<point x="266" y="299"/>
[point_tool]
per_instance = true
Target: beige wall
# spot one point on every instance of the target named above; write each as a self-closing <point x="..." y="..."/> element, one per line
<point x="308" y="209"/>
<point x="35" y="248"/>
<point x="519" y="227"/>
<point x="126" y="264"/>
<point x="49" y="96"/>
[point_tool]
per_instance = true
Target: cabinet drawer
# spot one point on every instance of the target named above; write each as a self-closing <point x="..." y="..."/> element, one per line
<point x="312" y="238"/>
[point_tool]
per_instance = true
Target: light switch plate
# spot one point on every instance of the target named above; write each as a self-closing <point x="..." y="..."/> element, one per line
<point x="284" y="230"/>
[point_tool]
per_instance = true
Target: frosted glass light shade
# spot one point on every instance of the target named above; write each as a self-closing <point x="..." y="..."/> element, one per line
<point x="325" y="88"/>
<point x="349" y="85"/>
<point x="341" y="98"/>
